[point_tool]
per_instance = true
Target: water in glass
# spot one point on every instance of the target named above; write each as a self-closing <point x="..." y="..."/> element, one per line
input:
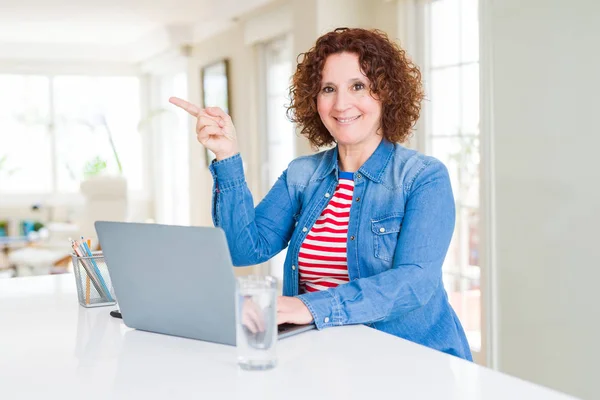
<point x="256" y="322"/>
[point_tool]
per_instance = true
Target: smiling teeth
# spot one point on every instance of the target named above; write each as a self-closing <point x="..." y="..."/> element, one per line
<point x="347" y="119"/>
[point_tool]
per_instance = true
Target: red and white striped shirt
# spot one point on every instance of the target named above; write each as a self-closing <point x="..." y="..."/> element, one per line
<point x="323" y="257"/>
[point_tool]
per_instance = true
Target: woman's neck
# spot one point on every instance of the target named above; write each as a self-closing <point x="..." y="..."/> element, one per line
<point x="352" y="157"/>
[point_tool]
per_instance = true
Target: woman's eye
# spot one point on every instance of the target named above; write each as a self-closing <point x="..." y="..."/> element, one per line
<point x="327" y="89"/>
<point x="358" y="86"/>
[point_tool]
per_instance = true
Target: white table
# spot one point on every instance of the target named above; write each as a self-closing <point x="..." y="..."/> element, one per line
<point x="51" y="348"/>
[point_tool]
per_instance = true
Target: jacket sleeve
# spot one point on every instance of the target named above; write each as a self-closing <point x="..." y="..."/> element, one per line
<point x="424" y="239"/>
<point x="253" y="235"/>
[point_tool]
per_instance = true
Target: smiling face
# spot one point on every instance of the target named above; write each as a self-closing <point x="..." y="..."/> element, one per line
<point x="345" y="104"/>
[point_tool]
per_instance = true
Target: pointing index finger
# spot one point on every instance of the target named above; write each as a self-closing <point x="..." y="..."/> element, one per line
<point x="185" y="105"/>
<point x="217" y="112"/>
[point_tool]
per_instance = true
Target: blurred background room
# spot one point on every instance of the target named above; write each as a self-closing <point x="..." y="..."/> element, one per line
<point x="512" y="101"/>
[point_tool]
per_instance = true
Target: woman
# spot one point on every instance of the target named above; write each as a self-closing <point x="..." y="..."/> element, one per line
<point x="367" y="223"/>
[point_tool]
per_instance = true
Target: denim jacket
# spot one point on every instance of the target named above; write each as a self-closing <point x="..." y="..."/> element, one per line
<point x="400" y="226"/>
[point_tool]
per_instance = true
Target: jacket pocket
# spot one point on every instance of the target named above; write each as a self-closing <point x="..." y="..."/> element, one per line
<point x="386" y="230"/>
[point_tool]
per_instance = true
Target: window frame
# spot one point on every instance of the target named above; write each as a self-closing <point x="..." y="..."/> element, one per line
<point x="273" y="266"/>
<point x="419" y="40"/>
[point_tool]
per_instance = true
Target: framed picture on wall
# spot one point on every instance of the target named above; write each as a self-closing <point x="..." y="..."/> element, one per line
<point x="215" y="91"/>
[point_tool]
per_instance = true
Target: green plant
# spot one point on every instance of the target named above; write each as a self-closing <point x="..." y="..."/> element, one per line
<point x="94" y="167"/>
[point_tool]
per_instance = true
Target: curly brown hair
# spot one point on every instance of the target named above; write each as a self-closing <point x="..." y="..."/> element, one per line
<point x="395" y="81"/>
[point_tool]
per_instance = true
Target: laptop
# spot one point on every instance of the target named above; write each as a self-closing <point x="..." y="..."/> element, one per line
<point x="175" y="280"/>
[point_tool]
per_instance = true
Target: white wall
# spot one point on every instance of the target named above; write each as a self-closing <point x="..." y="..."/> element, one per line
<point x="546" y="97"/>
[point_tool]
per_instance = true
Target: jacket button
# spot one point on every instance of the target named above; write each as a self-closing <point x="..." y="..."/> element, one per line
<point x="293" y="267"/>
<point x="358" y="199"/>
<point x="326" y="320"/>
<point x="327" y="194"/>
<point x="381" y="230"/>
<point x="359" y="176"/>
<point x="305" y="229"/>
<point x="351" y="237"/>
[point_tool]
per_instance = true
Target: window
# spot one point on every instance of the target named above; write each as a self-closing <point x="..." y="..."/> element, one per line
<point x="280" y="131"/>
<point x="452" y="132"/>
<point x="56" y="131"/>
<point x="279" y="145"/>
<point x="170" y="159"/>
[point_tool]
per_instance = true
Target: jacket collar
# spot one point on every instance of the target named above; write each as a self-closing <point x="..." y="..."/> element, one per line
<point x="373" y="168"/>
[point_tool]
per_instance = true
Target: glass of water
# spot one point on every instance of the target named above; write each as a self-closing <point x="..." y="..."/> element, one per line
<point x="256" y="322"/>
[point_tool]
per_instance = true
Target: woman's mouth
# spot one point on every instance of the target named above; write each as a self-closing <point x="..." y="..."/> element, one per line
<point x="348" y="120"/>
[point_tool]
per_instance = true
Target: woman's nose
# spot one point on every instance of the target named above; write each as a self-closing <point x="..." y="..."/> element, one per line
<point x="342" y="101"/>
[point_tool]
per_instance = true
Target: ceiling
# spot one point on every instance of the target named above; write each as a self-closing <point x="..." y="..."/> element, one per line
<point x="106" y="22"/>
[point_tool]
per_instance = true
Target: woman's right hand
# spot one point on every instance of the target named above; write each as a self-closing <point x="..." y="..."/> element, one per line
<point x="214" y="128"/>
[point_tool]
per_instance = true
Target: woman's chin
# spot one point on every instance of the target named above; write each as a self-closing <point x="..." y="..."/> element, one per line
<point x="346" y="137"/>
<point x="351" y="140"/>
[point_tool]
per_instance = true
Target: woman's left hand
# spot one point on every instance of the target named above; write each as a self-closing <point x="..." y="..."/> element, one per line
<point x="292" y="310"/>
